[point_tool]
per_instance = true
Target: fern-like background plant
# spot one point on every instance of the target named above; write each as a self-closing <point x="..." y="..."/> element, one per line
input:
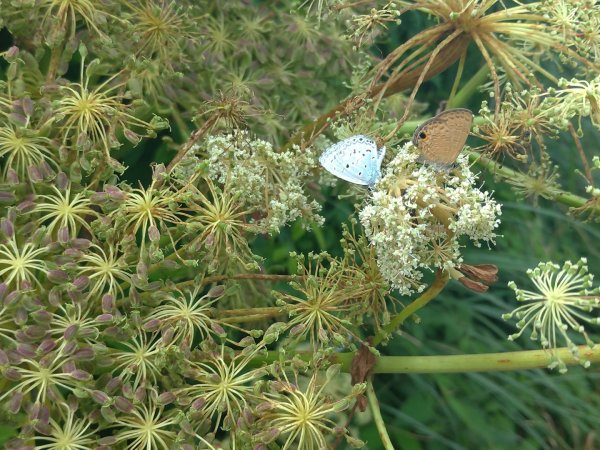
<point x="177" y="270"/>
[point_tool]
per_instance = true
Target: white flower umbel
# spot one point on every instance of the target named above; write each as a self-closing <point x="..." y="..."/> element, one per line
<point x="418" y="213"/>
<point x="268" y="181"/>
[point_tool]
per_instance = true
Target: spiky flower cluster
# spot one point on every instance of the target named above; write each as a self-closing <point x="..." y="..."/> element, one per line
<point x="564" y="302"/>
<point x="524" y="119"/>
<point x="302" y="412"/>
<point x="418" y="214"/>
<point x="367" y="26"/>
<point x="579" y="98"/>
<point x="577" y="22"/>
<point x="323" y="303"/>
<point x="333" y="297"/>
<point x="539" y="181"/>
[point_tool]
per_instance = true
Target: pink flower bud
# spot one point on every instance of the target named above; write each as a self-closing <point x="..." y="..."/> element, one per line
<point x="80" y="375"/>
<point x="99" y="397"/>
<point x="12" y="52"/>
<point x="153" y="233"/>
<point x="123" y="404"/>
<point x="84" y="354"/>
<point x="63" y="235"/>
<point x="62" y="181"/>
<point x="7" y="227"/>
<point x="105" y="318"/>
<point x="71" y="331"/>
<point x="108" y="303"/>
<point x="57" y="276"/>
<point x="46" y="346"/>
<point x="165" y="398"/>
<point x="216" y="291"/>
<point x="14" y="405"/>
<point x="81" y="282"/>
<point x="27" y="106"/>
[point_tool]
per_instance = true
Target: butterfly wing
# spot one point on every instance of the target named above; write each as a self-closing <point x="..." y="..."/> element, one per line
<point x="355" y="159"/>
<point x="441" y="138"/>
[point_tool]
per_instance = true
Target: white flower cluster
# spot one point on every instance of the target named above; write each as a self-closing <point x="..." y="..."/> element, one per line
<point x="417" y="215"/>
<point x="270" y="183"/>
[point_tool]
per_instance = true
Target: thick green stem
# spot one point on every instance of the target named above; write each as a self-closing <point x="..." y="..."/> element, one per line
<point x="249" y="276"/>
<point x="483" y="362"/>
<point x="377" y="418"/>
<point x="470" y="88"/>
<point x="422" y="300"/>
<point x="248" y="314"/>
<point x="239" y="276"/>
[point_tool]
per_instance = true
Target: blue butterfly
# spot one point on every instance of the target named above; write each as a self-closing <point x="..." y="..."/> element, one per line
<point x="356" y="159"/>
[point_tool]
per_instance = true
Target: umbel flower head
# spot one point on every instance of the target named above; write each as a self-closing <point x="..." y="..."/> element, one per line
<point x="145" y="421"/>
<point x="578" y="98"/>
<point x="561" y="305"/>
<point x="222" y="382"/>
<point x="65" y="430"/>
<point x="91" y="115"/>
<point x="23" y="149"/>
<point x="322" y="302"/>
<point x="303" y="417"/>
<point x="417" y="215"/>
<point x="270" y="182"/>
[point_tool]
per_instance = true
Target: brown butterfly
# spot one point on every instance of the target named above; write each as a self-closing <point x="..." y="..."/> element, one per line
<point x="441" y="138"/>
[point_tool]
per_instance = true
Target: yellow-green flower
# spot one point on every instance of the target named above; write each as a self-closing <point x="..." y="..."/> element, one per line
<point x="302" y="415"/>
<point x="65" y="210"/>
<point x="68" y="431"/>
<point x="21" y="148"/>
<point x="323" y="302"/>
<point x="187" y="313"/>
<point x="560" y="307"/>
<point x="146" y="424"/>
<point x="223" y="382"/>
<point x="20" y="263"/>
<point x="105" y="270"/>
<point x="90" y="115"/>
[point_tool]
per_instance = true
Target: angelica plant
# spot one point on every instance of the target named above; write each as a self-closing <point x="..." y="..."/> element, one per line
<point x="177" y="272"/>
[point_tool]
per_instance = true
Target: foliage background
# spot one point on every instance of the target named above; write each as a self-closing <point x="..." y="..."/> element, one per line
<point x="527" y="410"/>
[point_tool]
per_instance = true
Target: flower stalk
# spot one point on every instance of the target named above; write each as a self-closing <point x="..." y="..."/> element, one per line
<point x="377" y="417"/>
